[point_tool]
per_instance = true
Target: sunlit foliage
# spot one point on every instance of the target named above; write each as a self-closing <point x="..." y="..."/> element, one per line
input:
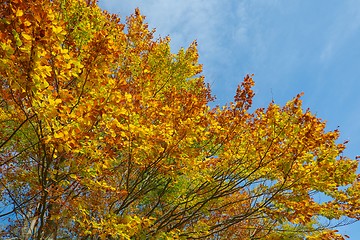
<point x="107" y="134"/>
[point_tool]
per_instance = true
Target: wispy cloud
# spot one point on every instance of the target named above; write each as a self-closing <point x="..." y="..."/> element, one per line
<point x="235" y="37"/>
<point x="345" y="24"/>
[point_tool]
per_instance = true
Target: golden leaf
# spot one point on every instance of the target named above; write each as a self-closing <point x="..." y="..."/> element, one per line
<point x="19" y="13"/>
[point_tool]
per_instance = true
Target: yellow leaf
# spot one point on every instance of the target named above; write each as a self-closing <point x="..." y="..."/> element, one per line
<point x="58" y="135"/>
<point x="64" y="50"/>
<point x="73" y="176"/>
<point x="128" y="97"/>
<point x="57" y="30"/>
<point x="55" y="217"/>
<point x="27" y="23"/>
<point x="19" y="13"/>
<point x="26" y="36"/>
<point x="44" y="84"/>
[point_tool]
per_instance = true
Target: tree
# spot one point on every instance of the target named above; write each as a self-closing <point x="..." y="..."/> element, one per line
<point x="106" y="134"/>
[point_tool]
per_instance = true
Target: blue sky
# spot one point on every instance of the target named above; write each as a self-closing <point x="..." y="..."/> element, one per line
<point x="291" y="47"/>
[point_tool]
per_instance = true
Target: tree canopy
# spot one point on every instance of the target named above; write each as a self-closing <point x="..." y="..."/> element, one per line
<point x="107" y="134"/>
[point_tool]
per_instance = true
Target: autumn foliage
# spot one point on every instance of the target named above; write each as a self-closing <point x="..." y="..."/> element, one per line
<point x="107" y="134"/>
